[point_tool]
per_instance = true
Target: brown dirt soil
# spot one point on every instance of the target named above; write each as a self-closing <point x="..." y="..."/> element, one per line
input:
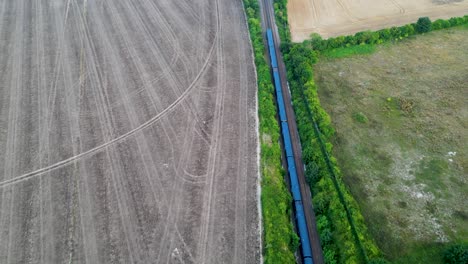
<point x="332" y="18"/>
<point x="127" y="132"/>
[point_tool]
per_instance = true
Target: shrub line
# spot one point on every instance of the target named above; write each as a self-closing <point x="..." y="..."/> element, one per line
<point x="423" y="25"/>
<point x="280" y="239"/>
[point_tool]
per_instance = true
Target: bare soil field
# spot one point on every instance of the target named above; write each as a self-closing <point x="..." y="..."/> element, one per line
<point x="127" y="132"/>
<point x="401" y="140"/>
<point x="331" y="18"/>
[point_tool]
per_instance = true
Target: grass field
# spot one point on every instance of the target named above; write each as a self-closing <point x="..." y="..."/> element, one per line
<point x="401" y="117"/>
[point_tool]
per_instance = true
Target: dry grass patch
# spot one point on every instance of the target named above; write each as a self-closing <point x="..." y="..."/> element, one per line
<point x="401" y="118"/>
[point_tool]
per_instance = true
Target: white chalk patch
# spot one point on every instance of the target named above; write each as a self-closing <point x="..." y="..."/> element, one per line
<point x="175" y="253"/>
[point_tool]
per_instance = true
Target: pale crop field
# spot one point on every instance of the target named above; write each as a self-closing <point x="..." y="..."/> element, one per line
<point x="331" y="18"/>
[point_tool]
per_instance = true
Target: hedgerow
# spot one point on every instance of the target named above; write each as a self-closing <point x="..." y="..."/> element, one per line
<point x="423" y="25"/>
<point x="280" y="240"/>
<point x="456" y="254"/>
<point x="342" y="228"/>
<point x="281" y="16"/>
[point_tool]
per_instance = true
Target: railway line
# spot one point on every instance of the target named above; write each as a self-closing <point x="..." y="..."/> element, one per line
<point x="268" y="22"/>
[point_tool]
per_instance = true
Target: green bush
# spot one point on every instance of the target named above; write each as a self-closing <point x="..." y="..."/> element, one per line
<point x="456" y="21"/>
<point x="440" y="24"/>
<point x="281" y="15"/>
<point x="424" y="25"/>
<point x="378" y="261"/>
<point x="360" y="117"/>
<point x="457" y="254"/>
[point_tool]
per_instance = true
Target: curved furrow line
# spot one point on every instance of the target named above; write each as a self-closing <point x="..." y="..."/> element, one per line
<point x="50" y="47"/>
<point x="174" y="203"/>
<point x="101" y="101"/>
<point x="174" y="81"/>
<point x="205" y="228"/>
<point x="171" y="35"/>
<point x="74" y="41"/>
<point x="123" y="21"/>
<point x="122" y="137"/>
<point x="141" y="140"/>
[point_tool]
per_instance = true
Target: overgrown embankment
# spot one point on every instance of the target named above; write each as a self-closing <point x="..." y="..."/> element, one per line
<point x="343" y="231"/>
<point x="280" y="240"/>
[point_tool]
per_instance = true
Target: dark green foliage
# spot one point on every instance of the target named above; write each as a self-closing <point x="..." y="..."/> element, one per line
<point x="423" y="25"/>
<point x="343" y="234"/>
<point x="457" y="254"/>
<point x="280" y="240"/>
<point x="406" y="31"/>
<point x="329" y="256"/>
<point x="456" y="21"/>
<point x="384" y="35"/>
<point x="317" y="42"/>
<point x="312" y="173"/>
<point x="326" y="236"/>
<point x="440" y="24"/>
<point x="378" y="261"/>
<point x="360" y="117"/>
<point x="281" y="16"/>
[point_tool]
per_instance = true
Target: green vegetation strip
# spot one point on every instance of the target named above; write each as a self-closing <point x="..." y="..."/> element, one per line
<point x="343" y="232"/>
<point x="348" y="51"/>
<point x="342" y="229"/>
<point x="280" y="240"/>
<point x="369" y="38"/>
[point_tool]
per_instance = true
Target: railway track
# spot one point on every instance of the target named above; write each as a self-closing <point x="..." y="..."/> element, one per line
<point x="268" y="21"/>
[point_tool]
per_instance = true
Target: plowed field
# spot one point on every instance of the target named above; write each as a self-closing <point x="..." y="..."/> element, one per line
<point x="127" y="132"/>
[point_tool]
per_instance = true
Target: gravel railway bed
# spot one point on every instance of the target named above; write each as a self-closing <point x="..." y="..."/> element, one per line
<point x="127" y="132"/>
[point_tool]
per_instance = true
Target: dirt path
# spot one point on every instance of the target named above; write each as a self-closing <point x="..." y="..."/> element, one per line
<point x="344" y="17"/>
<point x="128" y="132"/>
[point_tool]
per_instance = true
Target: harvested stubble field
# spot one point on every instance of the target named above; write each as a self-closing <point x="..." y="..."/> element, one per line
<point x="331" y="18"/>
<point x="127" y="132"/>
<point x="402" y="140"/>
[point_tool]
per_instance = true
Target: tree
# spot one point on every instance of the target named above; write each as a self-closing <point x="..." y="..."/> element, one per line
<point x="423" y="25"/>
<point x="317" y="42"/>
<point x="378" y="261"/>
<point x="456" y="254"/>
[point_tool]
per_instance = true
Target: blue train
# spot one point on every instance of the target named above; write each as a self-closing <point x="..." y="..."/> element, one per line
<point x="295" y="189"/>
